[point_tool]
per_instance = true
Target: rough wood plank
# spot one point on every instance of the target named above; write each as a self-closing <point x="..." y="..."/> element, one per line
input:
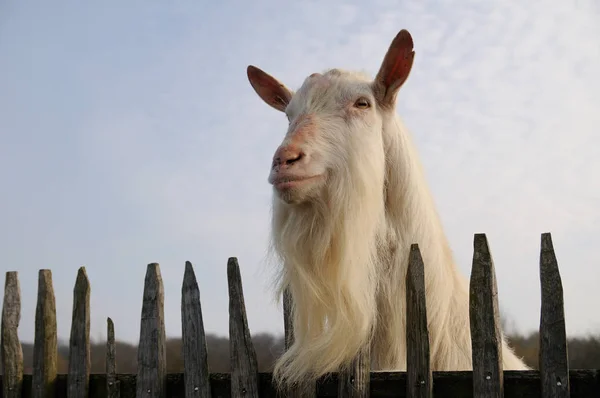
<point x="419" y="382"/>
<point x="79" y="344"/>
<point x="288" y="321"/>
<point x="306" y="391"/>
<point x="195" y="355"/>
<point x="11" y="351"/>
<point x="112" y="384"/>
<point x="486" y="338"/>
<point x="45" y="344"/>
<point x="355" y="382"/>
<point x="152" y="360"/>
<point x="244" y="365"/>
<point x="584" y="384"/>
<point x="553" y="357"/>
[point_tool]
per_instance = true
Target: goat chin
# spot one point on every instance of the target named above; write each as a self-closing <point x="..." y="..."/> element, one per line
<point x="330" y="249"/>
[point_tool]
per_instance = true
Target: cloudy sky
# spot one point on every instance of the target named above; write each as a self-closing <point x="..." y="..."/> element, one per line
<point x="129" y="134"/>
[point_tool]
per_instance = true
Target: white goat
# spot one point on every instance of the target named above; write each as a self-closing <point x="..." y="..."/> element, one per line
<point x="349" y="199"/>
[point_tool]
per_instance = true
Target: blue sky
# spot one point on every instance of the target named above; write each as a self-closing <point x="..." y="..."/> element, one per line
<point x="129" y="134"/>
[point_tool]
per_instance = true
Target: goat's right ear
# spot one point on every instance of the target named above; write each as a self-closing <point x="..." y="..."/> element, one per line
<point x="269" y="89"/>
<point x="395" y="68"/>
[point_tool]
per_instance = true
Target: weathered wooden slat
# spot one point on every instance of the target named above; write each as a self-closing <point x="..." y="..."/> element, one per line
<point x="195" y="355"/>
<point x="419" y="382"/>
<point x="288" y="321"/>
<point x="553" y="357"/>
<point x="486" y="338"/>
<point x="309" y="389"/>
<point x="355" y="382"/>
<point x="244" y="365"/>
<point x="79" y="344"/>
<point x="584" y="384"/>
<point x="45" y="344"/>
<point x="152" y="361"/>
<point x="112" y="384"/>
<point x="11" y="351"/>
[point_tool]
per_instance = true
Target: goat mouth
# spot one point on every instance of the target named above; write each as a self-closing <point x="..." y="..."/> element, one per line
<point x="289" y="182"/>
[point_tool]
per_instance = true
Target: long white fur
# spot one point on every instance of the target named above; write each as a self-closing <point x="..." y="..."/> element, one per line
<point x="345" y="247"/>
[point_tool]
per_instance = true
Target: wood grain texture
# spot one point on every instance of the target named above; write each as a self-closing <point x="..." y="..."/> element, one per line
<point x="195" y="355"/>
<point x="288" y="321"/>
<point x="356" y="381"/>
<point x="45" y="343"/>
<point x="553" y="356"/>
<point x="308" y="390"/>
<point x="244" y="365"/>
<point x="152" y="360"/>
<point x="584" y="384"/>
<point x="486" y="338"/>
<point x="79" y="343"/>
<point x="419" y="383"/>
<point x="112" y="384"/>
<point x="11" y="350"/>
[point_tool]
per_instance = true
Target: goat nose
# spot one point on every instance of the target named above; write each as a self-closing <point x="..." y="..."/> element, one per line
<point x="287" y="156"/>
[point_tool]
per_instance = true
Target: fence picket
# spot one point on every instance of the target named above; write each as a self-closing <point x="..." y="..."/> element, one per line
<point x="79" y="344"/>
<point x="418" y="379"/>
<point x="486" y="338"/>
<point x="244" y="365"/>
<point x="288" y="321"/>
<point x="11" y="351"/>
<point x="303" y="391"/>
<point x="195" y="355"/>
<point x="553" y="356"/>
<point x="152" y="361"/>
<point x="356" y="381"/>
<point x="45" y="344"/>
<point x="112" y="384"/>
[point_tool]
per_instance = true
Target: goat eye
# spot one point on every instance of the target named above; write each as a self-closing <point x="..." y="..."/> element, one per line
<point x="362" y="103"/>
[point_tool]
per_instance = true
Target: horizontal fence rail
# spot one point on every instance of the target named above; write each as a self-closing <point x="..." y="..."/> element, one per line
<point x="554" y="379"/>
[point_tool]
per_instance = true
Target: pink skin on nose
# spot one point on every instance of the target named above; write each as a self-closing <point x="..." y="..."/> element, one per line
<point x="290" y="161"/>
<point x="286" y="156"/>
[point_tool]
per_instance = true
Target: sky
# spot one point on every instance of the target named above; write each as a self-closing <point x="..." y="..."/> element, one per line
<point x="129" y="134"/>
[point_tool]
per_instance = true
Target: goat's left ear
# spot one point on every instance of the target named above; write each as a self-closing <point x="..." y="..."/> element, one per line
<point x="269" y="89"/>
<point x="395" y="68"/>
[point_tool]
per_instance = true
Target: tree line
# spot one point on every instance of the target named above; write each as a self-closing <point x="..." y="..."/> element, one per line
<point x="584" y="353"/>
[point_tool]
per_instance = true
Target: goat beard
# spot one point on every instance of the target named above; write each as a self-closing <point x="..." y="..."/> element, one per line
<point x="331" y="249"/>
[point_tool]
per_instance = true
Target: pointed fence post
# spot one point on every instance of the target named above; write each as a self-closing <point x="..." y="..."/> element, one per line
<point x="112" y="384"/>
<point x="244" y="365"/>
<point x="11" y="350"/>
<point x="79" y="344"/>
<point x="486" y="338"/>
<point x="553" y="356"/>
<point x="195" y="355"/>
<point x="45" y="346"/>
<point x="151" y="379"/>
<point x="419" y="378"/>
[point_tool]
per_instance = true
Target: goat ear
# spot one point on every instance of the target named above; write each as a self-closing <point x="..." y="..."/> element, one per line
<point x="269" y="89"/>
<point x="395" y="68"/>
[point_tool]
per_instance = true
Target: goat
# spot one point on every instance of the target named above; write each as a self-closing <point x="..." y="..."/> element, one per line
<point x="349" y="198"/>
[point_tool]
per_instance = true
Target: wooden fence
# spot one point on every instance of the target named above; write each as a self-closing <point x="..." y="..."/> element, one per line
<point x="554" y="379"/>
